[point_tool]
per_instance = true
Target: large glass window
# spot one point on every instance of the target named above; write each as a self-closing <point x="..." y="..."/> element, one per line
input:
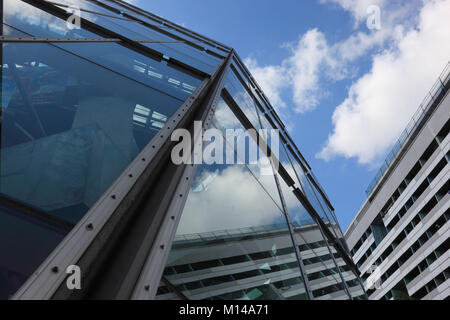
<point x="69" y="129"/>
<point x="232" y="241"/>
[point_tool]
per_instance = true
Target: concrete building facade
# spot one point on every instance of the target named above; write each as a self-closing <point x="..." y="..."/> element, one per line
<point x="399" y="239"/>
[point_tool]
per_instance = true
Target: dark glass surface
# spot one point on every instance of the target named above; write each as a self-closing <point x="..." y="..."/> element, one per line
<point x="64" y="119"/>
<point x="25" y="240"/>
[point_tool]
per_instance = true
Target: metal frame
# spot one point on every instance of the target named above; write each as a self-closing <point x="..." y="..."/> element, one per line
<point x="122" y="243"/>
<point x="6" y="39"/>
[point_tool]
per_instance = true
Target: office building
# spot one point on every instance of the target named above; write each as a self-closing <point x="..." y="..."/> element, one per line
<point x="399" y="238"/>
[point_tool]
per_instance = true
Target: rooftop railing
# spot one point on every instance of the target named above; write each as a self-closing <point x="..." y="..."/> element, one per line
<point x="437" y="92"/>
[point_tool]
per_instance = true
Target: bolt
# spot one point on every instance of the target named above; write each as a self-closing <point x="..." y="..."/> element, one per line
<point x="55" y="269"/>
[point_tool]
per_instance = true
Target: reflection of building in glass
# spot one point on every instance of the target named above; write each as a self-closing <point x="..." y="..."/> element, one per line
<point x="399" y="238"/>
<point x="87" y="178"/>
<point x="231" y="264"/>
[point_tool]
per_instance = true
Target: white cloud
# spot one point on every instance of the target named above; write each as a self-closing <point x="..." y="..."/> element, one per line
<point x="299" y="72"/>
<point x="311" y="60"/>
<point x="272" y="80"/>
<point x="380" y="103"/>
<point x="303" y="69"/>
<point x="358" y="8"/>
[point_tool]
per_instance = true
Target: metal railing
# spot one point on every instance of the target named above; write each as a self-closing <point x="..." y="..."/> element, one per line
<point x="436" y="93"/>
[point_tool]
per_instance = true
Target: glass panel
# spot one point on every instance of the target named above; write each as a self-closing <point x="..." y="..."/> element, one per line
<point x="232" y="241"/>
<point x="129" y="63"/>
<point x="137" y="31"/>
<point x="30" y="19"/>
<point x="224" y="119"/>
<point x="322" y="271"/>
<point x="113" y="56"/>
<point x="320" y="267"/>
<point x="304" y="184"/>
<point x="24" y="241"/>
<point x="156" y="22"/>
<point x="54" y="99"/>
<point x="69" y="129"/>
<point x="242" y="98"/>
<point x="39" y="23"/>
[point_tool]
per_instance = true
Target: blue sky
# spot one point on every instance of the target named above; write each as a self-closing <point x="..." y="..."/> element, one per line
<point x="345" y="91"/>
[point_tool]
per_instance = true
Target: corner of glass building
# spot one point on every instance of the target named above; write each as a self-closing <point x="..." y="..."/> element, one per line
<point x="89" y="120"/>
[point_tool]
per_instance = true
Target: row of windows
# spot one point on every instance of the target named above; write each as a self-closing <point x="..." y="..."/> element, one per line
<point x="334" y="288"/>
<point x="421" y="267"/>
<point x="326" y="273"/>
<point x="415" y="247"/>
<point x="420" y="190"/>
<point x="419" y="164"/>
<point x="409" y="177"/>
<point x="361" y="241"/>
<point x="433" y="284"/>
<point x="247" y="257"/>
<point x="427" y="262"/>
<point x="283" y="286"/>
<point x="416" y="220"/>
<point x="430" y="178"/>
<point x="254" y="273"/>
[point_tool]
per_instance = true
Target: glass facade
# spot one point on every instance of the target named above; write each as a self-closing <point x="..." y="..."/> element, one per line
<point x="80" y="106"/>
